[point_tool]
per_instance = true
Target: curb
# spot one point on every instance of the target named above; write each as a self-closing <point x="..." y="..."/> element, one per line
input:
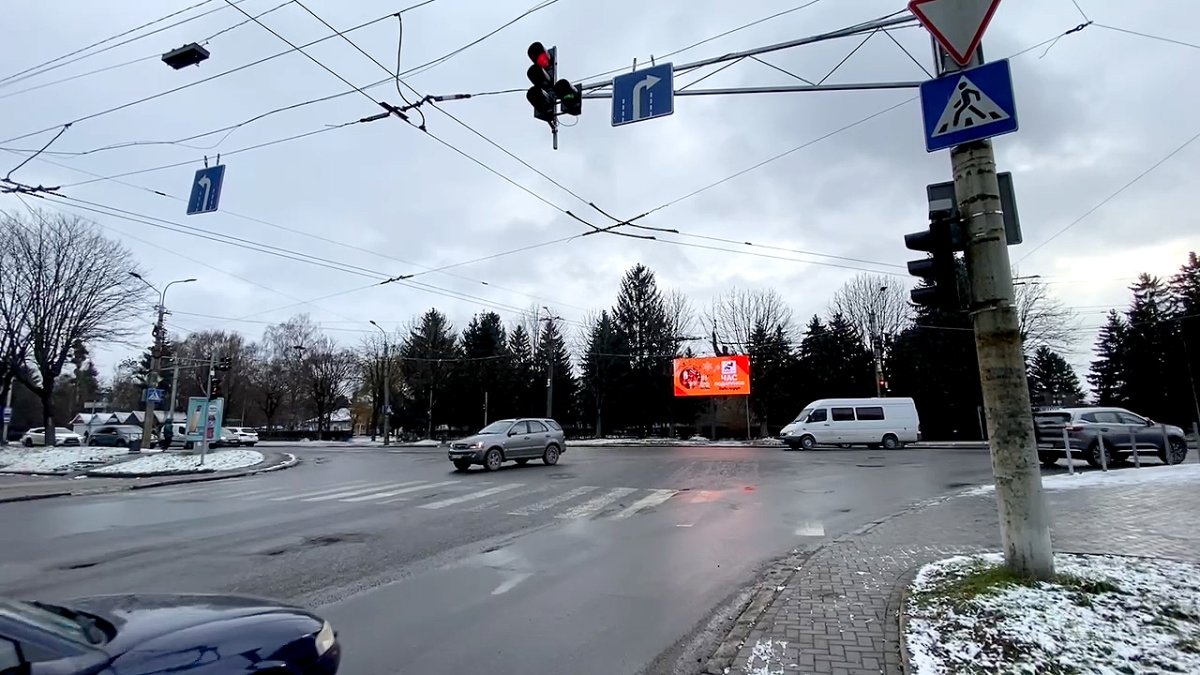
<point x="30" y="498"/>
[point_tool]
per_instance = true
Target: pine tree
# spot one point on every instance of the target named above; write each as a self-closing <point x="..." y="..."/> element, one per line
<point x="1150" y="345"/>
<point x="1052" y="381"/>
<point x="1107" y="376"/>
<point x="605" y="365"/>
<point x="552" y="349"/>
<point x="524" y="373"/>
<point x="641" y="319"/>
<point x="428" y="355"/>
<point x="1184" y="289"/>
<point x="772" y="377"/>
<point x="486" y="374"/>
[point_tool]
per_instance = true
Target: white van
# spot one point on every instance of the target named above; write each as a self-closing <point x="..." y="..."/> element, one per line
<point x="875" y="422"/>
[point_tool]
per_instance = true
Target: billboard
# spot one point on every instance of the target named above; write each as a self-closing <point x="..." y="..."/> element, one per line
<point x="205" y="415"/>
<point x="713" y="376"/>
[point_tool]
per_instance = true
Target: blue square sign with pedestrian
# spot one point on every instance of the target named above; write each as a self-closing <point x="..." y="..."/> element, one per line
<point x="968" y="105"/>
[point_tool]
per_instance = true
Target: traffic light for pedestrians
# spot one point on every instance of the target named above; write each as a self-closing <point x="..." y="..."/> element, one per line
<point x="940" y="269"/>
<point x="542" y="75"/>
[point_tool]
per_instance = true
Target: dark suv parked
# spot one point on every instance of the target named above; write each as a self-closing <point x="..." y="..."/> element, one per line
<point x="1114" y="431"/>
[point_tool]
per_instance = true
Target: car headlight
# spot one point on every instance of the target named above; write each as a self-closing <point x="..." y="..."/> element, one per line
<point x="325" y="639"/>
<point x="477" y="445"/>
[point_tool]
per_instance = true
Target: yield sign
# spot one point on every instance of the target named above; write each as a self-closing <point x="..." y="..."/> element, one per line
<point x="957" y="25"/>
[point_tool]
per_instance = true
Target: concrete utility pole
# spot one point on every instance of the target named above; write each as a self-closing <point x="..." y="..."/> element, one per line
<point x="208" y="395"/>
<point x="387" y="386"/>
<point x="1024" y="520"/>
<point x="549" y="363"/>
<point x="876" y="339"/>
<point x="160" y="332"/>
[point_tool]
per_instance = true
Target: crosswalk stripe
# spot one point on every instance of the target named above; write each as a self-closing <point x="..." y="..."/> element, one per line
<point x="553" y="501"/>
<point x="655" y="498"/>
<point x="358" y="491"/>
<point x="257" y="492"/>
<point x="204" y="486"/>
<point x="472" y="496"/>
<point x="596" y="504"/>
<point x="392" y="493"/>
<point x="326" y="490"/>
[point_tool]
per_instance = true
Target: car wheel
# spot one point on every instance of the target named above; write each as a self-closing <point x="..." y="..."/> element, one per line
<point x="461" y="465"/>
<point x="890" y="442"/>
<point x="188" y="445"/>
<point x="493" y="459"/>
<point x="121" y="442"/>
<point x="550" y="456"/>
<point x="28" y="442"/>
<point x="1097" y="450"/>
<point x="808" y="442"/>
<point x="1179" y="450"/>
<point x="1048" y="461"/>
<point x="522" y="462"/>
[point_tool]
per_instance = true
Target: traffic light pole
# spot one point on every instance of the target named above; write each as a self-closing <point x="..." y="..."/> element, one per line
<point x="212" y="362"/>
<point x="1024" y="520"/>
<point x="152" y="376"/>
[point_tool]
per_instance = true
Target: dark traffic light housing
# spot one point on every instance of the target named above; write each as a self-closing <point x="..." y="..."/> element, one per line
<point x="570" y="96"/>
<point x="940" y="268"/>
<point x="214" y="388"/>
<point x="542" y="75"/>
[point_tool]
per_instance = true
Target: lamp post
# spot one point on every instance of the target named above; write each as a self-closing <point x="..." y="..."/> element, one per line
<point x="550" y="318"/>
<point x="387" y="387"/>
<point x="876" y="339"/>
<point x="156" y="353"/>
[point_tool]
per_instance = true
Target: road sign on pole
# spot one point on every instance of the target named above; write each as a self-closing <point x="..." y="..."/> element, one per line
<point x="968" y="105"/>
<point x="957" y="25"/>
<point x="154" y="395"/>
<point x="643" y="94"/>
<point x="7" y="415"/>
<point x="206" y="190"/>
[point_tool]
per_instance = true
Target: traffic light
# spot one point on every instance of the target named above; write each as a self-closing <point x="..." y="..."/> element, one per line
<point x="542" y="74"/>
<point x="571" y="97"/>
<point x="940" y="269"/>
<point x="214" y="388"/>
<point x="225" y="364"/>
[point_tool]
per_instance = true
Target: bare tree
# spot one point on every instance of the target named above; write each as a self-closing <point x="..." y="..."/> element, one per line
<point x="74" y="286"/>
<point x="876" y="305"/>
<point x="681" y="317"/>
<point x="1044" y="319"/>
<point x="736" y="312"/>
<point x="373" y="372"/>
<point x="287" y="343"/>
<point x="14" y="324"/>
<point x="330" y="373"/>
<point x="266" y="377"/>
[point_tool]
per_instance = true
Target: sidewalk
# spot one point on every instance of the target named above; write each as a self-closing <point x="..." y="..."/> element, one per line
<point x="835" y="610"/>
<point x="15" y="487"/>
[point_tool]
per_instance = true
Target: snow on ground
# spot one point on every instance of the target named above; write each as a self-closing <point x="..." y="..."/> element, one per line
<point x="219" y="460"/>
<point x="50" y="459"/>
<point x="1148" y="623"/>
<point x="1179" y="473"/>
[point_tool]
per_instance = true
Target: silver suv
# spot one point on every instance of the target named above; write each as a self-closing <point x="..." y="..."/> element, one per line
<point x="1115" y="433"/>
<point x="518" y="440"/>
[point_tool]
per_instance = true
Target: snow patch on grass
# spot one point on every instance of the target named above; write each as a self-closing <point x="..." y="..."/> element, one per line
<point x="219" y="460"/>
<point x="1179" y="473"/>
<point x="1107" y="614"/>
<point x="53" y="459"/>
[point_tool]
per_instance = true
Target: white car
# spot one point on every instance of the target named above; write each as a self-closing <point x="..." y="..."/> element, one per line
<point x="62" y="437"/>
<point x="874" y="422"/>
<point x="245" y="435"/>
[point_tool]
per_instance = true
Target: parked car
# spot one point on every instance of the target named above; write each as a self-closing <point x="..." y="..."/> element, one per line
<point x="874" y="422"/>
<point x="144" y="634"/>
<point x="228" y="439"/>
<point x="516" y="440"/>
<point x="117" y="435"/>
<point x="247" y="436"/>
<point x="1114" y="433"/>
<point x="62" y="437"/>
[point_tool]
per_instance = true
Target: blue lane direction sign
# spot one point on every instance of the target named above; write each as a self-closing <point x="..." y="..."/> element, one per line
<point x="154" y="395"/>
<point x="206" y="190"/>
<point x="968" y="105"/>
<point x="643" y="94"/>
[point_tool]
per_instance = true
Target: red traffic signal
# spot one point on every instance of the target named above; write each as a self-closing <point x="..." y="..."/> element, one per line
<point x="539" y="55"/>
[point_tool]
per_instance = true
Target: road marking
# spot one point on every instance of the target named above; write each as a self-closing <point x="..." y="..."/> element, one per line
<point x="596" y="504"/>
<point x="392" y="493"/>
<point x="511" y="583"/>
<point x="325" y="490"/>
<point x="684" y="524"/>
<point x="257" y="492"/>
<point x="472" y="496"/>
<point x="358" y="491"/>
<point x="552" y="501"/>
<point x="811" y="530"/>
<point x="655" y="498"/>
<point x="182" y="490"/>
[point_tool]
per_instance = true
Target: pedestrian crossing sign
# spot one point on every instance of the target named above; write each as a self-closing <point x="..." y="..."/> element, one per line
<point x="968" y="105"/>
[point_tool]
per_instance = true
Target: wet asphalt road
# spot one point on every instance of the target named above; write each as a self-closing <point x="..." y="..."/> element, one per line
<point x="606" y="563"/>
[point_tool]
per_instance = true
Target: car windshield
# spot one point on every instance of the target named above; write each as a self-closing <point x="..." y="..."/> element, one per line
<point x="497" y="427"/>
<point x="803" y="415"/>
<point x="62" y="430"/>
<point x="60" y="621"/>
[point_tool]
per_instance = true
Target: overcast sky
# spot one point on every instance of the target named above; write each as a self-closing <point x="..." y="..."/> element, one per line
<point x="1096" y="109"/>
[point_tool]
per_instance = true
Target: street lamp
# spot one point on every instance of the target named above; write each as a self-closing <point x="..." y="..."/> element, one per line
<point x="387" y="386"/>
<point x="156" y="354"/>
<point x="550" y="318"/>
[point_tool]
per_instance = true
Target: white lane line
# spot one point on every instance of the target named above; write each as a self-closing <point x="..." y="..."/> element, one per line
<point x="808" y="529"/>
<point x="392" y="493"/>
<point x="511" y="583"/>
<point x="472" y="496"/>
<point x="595" y="505"/>
<point x="655" y="498"/>
<point x="326" y="490"/>
<point x="553" y="501"/>
<point x="257" y="492"/>
<point x="205" y="486"/>
<point x="359" y="491"/>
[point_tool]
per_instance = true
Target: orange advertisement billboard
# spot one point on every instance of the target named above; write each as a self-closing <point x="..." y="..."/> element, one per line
<point x="713" y="376"/>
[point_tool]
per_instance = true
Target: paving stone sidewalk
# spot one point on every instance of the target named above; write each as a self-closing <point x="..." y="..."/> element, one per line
<point x="837" y="613"/>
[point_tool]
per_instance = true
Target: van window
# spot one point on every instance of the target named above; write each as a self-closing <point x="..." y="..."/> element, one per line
<point x="872" y="413"/>
<point x="843" y="414"/>
<point x="817" y="415"/>
<point x="803" y="416"/>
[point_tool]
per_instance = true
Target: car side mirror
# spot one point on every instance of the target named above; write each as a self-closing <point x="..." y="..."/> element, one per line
<point x="1149" y="422"/>
<point x="512" y="432"/>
